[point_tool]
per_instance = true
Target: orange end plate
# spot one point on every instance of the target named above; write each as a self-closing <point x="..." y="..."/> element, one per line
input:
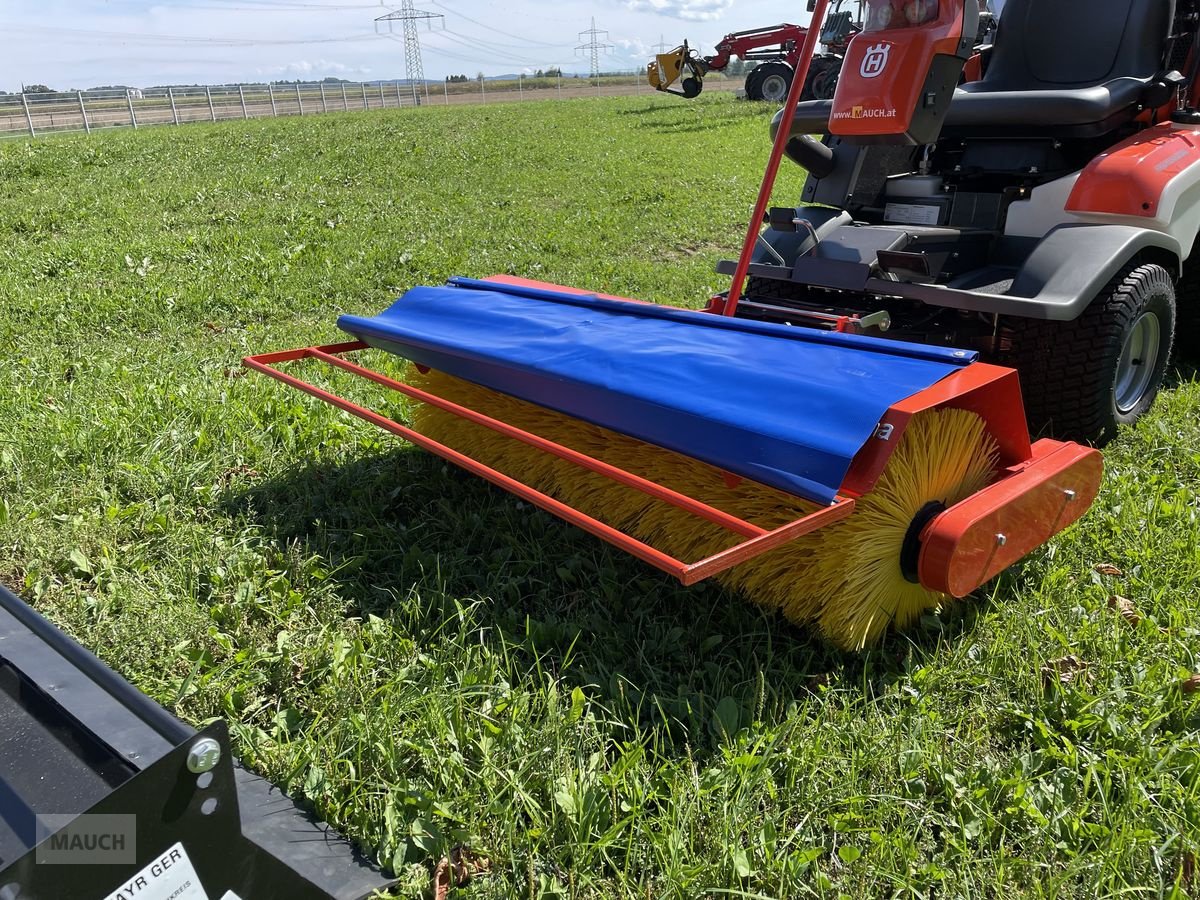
<point x="972" y="542"/>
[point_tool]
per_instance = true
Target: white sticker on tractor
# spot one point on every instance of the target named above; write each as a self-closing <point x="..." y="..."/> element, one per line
<point x="169" y="877"/>
<point x="911" y="214"/>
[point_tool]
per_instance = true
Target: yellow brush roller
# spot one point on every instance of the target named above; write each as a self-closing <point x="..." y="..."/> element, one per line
<point x="845" y="579"/>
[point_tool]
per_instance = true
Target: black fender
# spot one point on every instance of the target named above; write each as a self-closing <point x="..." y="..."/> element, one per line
<point x="1071" y="265"/>
<point x="1066" y="271"/>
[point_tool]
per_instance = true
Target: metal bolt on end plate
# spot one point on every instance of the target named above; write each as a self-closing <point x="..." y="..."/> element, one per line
<point x="203" y="756"/>
<point x="1001" y="540"/>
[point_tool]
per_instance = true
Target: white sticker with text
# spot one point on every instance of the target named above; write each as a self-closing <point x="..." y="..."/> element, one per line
<point x="912" y="214"/>
<point x="170" y="877"/>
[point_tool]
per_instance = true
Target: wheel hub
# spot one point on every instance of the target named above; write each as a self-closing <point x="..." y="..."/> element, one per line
<point x="1138" y="362"/>
<point x="774" y="88"/>
<point x="824" y="84"/>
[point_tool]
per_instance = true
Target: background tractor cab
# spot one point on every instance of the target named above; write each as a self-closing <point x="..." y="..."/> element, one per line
<point x="1042" y="214"/>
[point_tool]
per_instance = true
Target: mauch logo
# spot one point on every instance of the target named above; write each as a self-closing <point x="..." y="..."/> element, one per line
<point x="875" y="61"/>
<point x="862" y="112"/>
<point x="88" y="840"/>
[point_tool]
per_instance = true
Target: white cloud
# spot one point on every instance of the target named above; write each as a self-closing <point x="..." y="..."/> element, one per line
<point x="320" y="68"/>
<point x="634" y="47"/>
<point x="688" y="10"/>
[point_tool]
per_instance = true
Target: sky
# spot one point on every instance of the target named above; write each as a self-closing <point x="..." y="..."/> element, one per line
<point x="77" y="44"/>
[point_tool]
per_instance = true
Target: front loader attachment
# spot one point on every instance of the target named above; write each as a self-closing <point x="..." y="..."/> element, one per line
<point x="666" y="69"/>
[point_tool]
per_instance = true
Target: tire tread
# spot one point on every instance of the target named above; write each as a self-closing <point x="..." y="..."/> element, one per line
<point x="1064" y="366"/>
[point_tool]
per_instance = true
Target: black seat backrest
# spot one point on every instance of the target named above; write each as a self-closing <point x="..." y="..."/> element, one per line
<point x="1063" y="44"/>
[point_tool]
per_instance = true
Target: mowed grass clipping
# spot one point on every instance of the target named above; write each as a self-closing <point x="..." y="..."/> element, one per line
<point x="429" y="662"/>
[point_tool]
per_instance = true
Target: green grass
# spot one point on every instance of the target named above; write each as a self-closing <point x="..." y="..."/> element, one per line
<point x="429" y="662"/>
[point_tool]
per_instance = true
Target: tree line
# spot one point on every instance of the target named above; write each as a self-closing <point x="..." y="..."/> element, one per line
<point x="552" y="72"/>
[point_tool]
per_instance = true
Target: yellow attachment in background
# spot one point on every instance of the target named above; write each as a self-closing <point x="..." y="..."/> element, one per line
<point x="664" y="70"/>
<point x="844" y="579"/>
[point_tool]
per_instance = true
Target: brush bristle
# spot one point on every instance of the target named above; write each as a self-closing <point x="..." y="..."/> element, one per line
<point x="844" y="579"/>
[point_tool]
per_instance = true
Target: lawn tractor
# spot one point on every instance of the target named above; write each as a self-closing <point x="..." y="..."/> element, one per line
<point x="841" y="435"/>
<point x="775" y="49"/>
<point x="1042" y="215"/>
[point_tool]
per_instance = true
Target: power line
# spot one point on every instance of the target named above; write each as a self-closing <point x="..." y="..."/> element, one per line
<point x="448" y="54"/>
<point x="410" y="16"/>
<point x="522" y="47"/>
<point x="596" y="44"/>
<point x="661" y="46"/>
<point x="491" y="28"/>
<point x="494" y="50"/>
<point x="481" y="54"/>
<point x="288" y="5"/>
<point x="474" y="59"/>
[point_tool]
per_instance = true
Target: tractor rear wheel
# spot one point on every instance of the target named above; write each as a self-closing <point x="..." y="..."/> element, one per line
<point x="769" y="81"/>
<point x="822" y="78"/>
<point x="1082" y="380"/>
<point x="751" y="85"/>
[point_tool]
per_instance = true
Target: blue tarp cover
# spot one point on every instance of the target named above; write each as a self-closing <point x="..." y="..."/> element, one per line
<point x="786" y="406"/>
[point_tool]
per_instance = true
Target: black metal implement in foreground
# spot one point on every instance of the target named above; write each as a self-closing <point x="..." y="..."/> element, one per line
<point x="142" y="806"/>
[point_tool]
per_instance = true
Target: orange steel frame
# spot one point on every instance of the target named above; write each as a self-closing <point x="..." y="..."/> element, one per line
<point x="757" y="540"/>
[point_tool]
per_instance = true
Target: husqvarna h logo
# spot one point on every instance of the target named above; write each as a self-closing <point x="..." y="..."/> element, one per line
<point x="875" y="61"/>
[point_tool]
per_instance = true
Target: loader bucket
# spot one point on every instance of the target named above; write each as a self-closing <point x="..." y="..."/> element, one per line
<point x="105" y="794"/>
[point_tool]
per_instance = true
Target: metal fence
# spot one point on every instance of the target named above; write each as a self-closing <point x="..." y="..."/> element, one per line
<point x="34" y="114"/>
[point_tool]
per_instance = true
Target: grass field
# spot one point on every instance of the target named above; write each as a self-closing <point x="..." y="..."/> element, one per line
<point x="429" y="662"/>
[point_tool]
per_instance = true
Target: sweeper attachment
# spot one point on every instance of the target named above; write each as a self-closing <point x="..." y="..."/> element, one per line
<point x="683" y="65"/>
<point x="850" y="482"/>
<point x="104" y="795"/>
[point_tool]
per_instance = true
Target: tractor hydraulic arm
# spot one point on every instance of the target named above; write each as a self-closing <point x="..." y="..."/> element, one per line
<point x="758" y="44"/>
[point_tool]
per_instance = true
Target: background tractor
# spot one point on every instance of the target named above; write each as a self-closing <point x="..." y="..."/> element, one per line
<point x="775" y="49"/>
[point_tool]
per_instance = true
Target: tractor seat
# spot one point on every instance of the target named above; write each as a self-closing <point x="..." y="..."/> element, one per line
<point x="1063" y="113"/>
<point x="1070" y="68"/>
